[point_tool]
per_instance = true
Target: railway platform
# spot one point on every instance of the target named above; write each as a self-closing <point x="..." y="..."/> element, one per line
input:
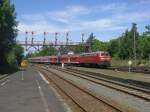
<point x="27" y="91"/>
<point x="119" y="74"/>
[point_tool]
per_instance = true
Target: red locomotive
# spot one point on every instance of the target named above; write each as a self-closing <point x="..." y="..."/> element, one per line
<point x="100" y="58"/>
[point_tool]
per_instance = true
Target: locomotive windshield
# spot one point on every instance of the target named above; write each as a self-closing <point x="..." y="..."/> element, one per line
<point x="104" y="54"/>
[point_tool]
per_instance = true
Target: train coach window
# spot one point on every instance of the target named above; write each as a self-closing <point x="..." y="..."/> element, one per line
<point x="64" y="59"/>
<point x="82" y="55"/>
<point x="73" y="59"/>
<point x="90" y="54"/>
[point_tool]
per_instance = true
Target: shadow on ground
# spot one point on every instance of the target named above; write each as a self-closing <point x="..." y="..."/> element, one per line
<point x="8" y="70"/>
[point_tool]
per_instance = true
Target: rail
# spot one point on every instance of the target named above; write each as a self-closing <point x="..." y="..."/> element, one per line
<point x="77" y="89"/>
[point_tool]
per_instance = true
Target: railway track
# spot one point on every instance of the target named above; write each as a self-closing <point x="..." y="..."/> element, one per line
<point x="131" y="82"/>
<point x="5" y="76"/>
<point x="86" y="100"/>
<point x="127" y="89"/>
<point x="145" y="70"/>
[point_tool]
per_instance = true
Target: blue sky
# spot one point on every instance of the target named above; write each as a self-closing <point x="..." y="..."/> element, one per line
<point x="107" y="19"/>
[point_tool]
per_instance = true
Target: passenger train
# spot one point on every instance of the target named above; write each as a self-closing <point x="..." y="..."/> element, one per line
<point x="99" y="59"/>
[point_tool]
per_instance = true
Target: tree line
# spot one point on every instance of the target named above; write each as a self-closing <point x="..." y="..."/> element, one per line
<point x="124" y="47"/>
<point x="10" y="53"/>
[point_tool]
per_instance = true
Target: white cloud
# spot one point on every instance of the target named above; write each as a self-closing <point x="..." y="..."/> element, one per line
<point x="68" y="13"/>
<point x="113" y="7"/>
<point x="133" y="16"/>
<point x="100" y="23"/>
<point x="40" y="27"/>
<point x="33" y="17"/>
<point x="63" y="16"/>
<point x="73" y="17"/>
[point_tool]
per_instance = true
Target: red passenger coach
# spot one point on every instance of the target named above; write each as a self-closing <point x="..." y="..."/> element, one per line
<point x="70" y="59"/>
<point x="44" y="59"/>
<point x="53" y="59"/>
<point x="35" y="60"/>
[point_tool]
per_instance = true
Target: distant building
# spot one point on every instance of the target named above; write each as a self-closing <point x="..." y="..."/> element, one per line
<point x="70" y="53"/>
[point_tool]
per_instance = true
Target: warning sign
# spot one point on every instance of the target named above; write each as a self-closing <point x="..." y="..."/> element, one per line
<point x="24" y="64"/>
<point x="130" y="62"/>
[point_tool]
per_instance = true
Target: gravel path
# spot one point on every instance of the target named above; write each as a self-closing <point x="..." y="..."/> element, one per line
<point x="120" y="74"/>
<point x="121" y="98"/>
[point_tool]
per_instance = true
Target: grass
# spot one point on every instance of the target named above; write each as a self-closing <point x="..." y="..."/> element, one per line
<point x="119" y="62"/>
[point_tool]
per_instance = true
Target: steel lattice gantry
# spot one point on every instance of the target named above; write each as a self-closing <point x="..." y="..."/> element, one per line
<point x="38" y="44"/>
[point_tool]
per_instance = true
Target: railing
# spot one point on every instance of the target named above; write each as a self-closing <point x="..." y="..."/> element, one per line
<point x="41" y="43"/>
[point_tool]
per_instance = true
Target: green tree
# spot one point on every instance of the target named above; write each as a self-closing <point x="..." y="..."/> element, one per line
<point x="45" y="51"/>
<point x="48" y="51"/>
<point x="99" y="45"/>
<point x="18" y="52"/>
<point x="15" y="56"/>
<point x="144" y="43"/>
<point x="8" y="30"/>
<point x="113" y="47"/>
<point x="123" y="47"/>
<point x="90" y="38"/>
<point x="79" y="49"/>
<point x="147" y="32"/>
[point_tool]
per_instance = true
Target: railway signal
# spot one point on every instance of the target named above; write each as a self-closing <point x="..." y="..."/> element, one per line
<point x="26" y="34"/>
<point x="32" y="36"/>
<point x="56" y="33"/>
<point x="129" y="63"/>
<point x="82" y="37"/>
<point x="44" y="38"/>
<point x="26" y="39"/>
<point x="67" y="39"/>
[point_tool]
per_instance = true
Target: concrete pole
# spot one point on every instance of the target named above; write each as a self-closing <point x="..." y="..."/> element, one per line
<point x="149" y="60"/>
